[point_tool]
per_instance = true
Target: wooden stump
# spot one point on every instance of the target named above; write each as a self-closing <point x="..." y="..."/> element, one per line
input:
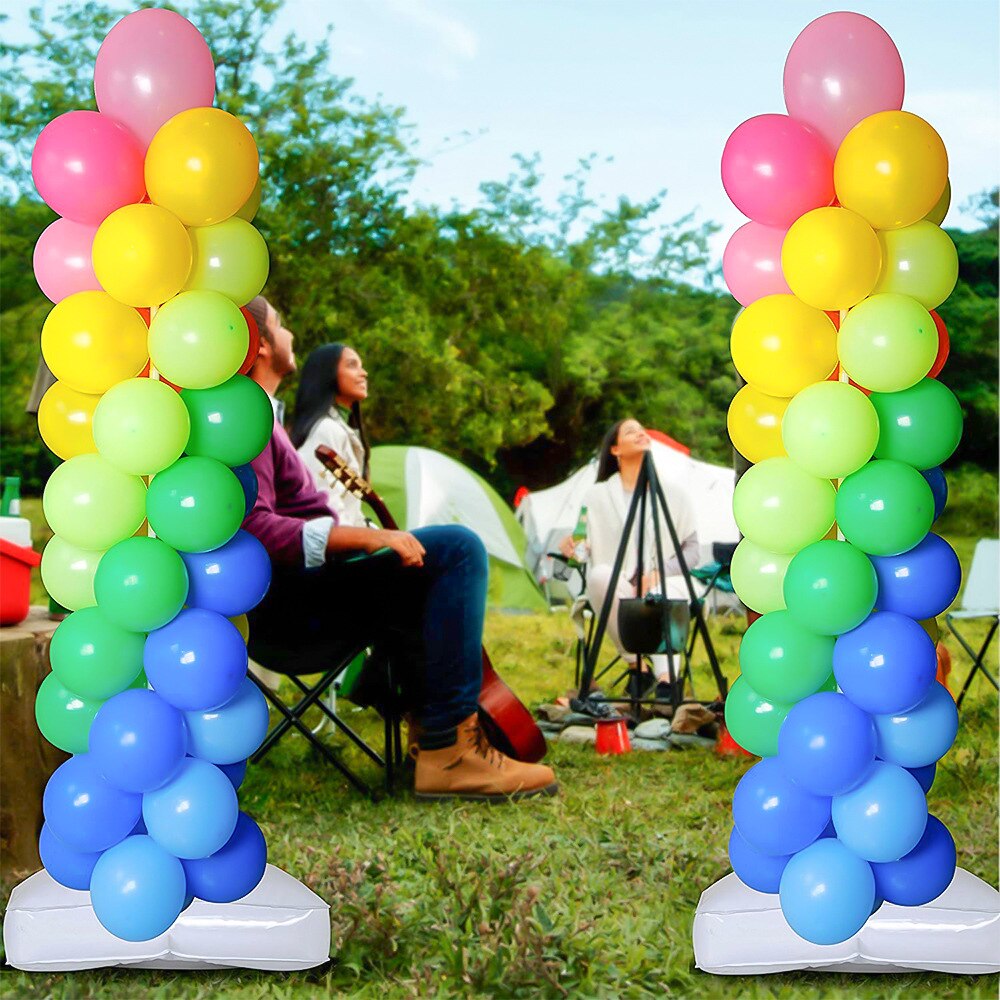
<point x="28" y="759"/>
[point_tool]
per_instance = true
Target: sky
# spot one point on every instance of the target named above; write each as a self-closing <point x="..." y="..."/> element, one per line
<point x="656" y="85"/>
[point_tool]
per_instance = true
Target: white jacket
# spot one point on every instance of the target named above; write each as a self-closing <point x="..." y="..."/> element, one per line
<point x="334" y="431"/>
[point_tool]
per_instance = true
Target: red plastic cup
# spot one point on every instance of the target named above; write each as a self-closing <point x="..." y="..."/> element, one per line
<point x="612" y="736"/>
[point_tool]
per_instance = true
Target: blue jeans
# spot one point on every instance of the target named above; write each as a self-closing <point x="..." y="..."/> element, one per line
<point x="428" y="618"/>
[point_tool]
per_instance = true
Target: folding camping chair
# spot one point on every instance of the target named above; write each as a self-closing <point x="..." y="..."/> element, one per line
<point x="980" y="600"/>
<point x="312" y="672"/>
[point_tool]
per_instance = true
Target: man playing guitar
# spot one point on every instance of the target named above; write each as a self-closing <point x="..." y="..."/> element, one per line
<point x="423" y="591"/>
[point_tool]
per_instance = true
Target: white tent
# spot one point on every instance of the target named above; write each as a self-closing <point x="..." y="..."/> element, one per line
<point x="549" y="515"/>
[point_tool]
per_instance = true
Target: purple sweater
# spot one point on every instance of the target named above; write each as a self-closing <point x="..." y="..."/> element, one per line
<point x="286" y="499"/>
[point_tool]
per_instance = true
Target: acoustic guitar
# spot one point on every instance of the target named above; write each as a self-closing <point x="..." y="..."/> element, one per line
<point x="509" y="726"/>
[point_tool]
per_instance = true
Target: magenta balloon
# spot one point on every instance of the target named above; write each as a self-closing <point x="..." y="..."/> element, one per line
<point x="751" y="264"/>
<point x="62" y="261"/>
<point x="86" y="165"/>
<point x="152" y="65"/>
<point x="843" y="67"/>
<point x="774" y="169"/>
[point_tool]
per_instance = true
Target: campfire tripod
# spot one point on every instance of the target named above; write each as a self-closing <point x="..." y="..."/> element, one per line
<point x="649" y="494"/>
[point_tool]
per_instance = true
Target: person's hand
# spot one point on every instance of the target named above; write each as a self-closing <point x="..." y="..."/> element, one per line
<point x="410" y="551"/>
<point x="650" y="581"/>
<point x="568" y="547"/>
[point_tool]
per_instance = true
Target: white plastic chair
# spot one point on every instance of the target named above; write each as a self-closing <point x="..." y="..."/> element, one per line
<point x="981" y="599"/>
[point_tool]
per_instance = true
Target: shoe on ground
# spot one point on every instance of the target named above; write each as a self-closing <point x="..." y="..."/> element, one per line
<point x="472" y="769"/>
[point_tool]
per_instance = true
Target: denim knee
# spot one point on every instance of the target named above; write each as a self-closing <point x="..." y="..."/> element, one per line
<point x="460" y="542"/>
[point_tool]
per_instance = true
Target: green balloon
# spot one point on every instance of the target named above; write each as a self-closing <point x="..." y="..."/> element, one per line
<point x="68" y="573"/>
<point x="830" y="429"/>
<point x="196" y="505"/>
<point x="781" y="507"/>
<point x="93" y="656"/>
<point x="198" y="339"/>
<point x="63" y="716"/>
<point x="231" y="422"/>
<point x="782" y="661"/>
<point x="885" y="508"/>
<point x="141" y="584"/>
<point x="920" y="426"/>
<point x="830" y="587"/>
<point x="141" y="426"/>
<point x="752" y="720"/>
<point x="93" y="505"/>
<point x="888" y="342"/>
<point x="757" y="576"/>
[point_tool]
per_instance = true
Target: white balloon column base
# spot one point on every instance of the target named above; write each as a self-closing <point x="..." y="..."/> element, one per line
<point x="280" y="926"/>
<point x="741" y="932"/>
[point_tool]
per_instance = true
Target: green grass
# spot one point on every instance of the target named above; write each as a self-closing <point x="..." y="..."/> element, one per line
<point x="591" y="894"/>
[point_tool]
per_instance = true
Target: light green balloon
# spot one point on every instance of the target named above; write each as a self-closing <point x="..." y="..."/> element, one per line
<point x="887" y="342"/>
<point x="141" y="426"/>
<point x="230" y="258"/>
<point x="830" y="429"/>
<point x="68" y="573"/>
<point x="781" y="507"/>
<point x="63" y="716"/>
<point x="758" y="576"/>
<point x="752" y="720"/>
<point x="92" y="504"/>
<point x="920" y="261"/>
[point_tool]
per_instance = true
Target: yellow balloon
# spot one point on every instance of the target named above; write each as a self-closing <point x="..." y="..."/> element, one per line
<point x="891" y="169"/>
<point x="91" y="342"/>
<point x="831" y="258"/>
<point x="242" y="624"/>
<point x="142" y="255"/>
<point x="202" y="166"/>
<point x="940" y="210"/>
<point x="65" y="420"/>
<point x="920" y="261"/>
<point x="252" y="205"/>
<point x="754" y="423"/>
<point x="780" y="345"/>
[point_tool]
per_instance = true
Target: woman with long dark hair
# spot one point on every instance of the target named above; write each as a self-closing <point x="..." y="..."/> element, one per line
<point x="333" y="386"/>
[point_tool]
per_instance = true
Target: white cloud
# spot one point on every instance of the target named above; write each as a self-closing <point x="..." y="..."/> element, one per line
<point x="452" y="35"/>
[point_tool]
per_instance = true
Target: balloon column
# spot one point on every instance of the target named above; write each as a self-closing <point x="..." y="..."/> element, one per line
<point x="148" y="267"/>
<point x="839" y="271"/>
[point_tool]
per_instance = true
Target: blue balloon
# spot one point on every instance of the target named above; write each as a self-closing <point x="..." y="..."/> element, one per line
<point x="230" y="580"/>
<point x="924" y="873"/>
<point x="939" y="488"/>
<point x="234" y="772"/>
<point x="197" y="662"/>
<point x="137" y="889"/>
<point x="234" y="870"/>
<point x="924" y="776"/>
<point x="759" y="871"/>
<point x="66" y="865"/>
<point x="922" y="735"/>
<point x="773" y="814"/>
<point x="137" y="740"/>
<point x="230" y="733"/>
<point x="248" y="480"/>
<point x="886" y="665"/>
<point x="826" y="744"/>
<point x="884" y="817"/>
<point x="193" y="815"/>
<point x="920" y="583"/>
<point x="85" y="811"/>
<point x="827" y="893"/>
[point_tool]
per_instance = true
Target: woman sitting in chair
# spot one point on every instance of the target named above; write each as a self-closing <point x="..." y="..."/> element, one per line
<point x="605" y="507"/>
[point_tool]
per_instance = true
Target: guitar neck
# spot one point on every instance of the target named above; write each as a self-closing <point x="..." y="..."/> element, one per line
<point x="355" y="484"/>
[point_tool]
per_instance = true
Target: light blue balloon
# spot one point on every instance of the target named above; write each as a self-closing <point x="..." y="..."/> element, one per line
<point x="921" y="736"/>
<point x="67" y="866"/>
<point x="137" y="889"/>
<point x="195" y="813"/>
<point x="231" y="733"/>
<point x="884" y="817"/>
<point x="827" y="892"/>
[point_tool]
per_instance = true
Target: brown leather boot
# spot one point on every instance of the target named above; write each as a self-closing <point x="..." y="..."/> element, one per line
<point x="472" y="769"/>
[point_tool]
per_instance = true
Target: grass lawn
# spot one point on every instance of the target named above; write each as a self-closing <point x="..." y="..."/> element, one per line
<point x="591" y="894"/>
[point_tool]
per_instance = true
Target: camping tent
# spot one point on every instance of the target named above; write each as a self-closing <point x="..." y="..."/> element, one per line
<point x="423" y="487"/>
<point x="549" y="515"/>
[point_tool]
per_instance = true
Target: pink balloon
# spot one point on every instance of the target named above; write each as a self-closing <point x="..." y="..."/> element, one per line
<point x="843" y="67"/>
<point x="774" y="169"/>
<point x="751" y="263"/>
<point x="152" y="65"/>
<point x="86" y="166"/>
<point x="62" y="261"/>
